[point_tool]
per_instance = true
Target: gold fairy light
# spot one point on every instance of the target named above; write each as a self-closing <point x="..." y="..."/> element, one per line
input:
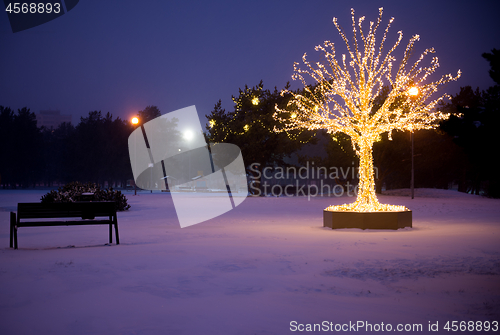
<point x="345" y="91"/>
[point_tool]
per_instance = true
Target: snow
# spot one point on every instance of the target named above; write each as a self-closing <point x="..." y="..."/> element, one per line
<point x="253" y="270"/>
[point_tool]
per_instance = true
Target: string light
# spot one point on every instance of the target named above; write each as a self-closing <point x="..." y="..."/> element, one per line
<point x="342" y="100"/>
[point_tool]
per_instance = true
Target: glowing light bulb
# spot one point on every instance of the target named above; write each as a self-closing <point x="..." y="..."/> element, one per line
<point x="413" y="91"/>
<point x="135" y="120"/>
<point x="188" y="135"/>
<point x="255" y="101"/>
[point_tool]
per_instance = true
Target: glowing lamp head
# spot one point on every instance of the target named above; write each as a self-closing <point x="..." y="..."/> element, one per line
<point x="255" y="101"/>
<point x="413" y="91"/>
<point x="188" y="135"/>
<point x="135" y="120"/>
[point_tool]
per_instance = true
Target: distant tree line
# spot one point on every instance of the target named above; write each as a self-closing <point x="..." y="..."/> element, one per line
<point x="461" y="151"/>
<point x="95" y="150"/>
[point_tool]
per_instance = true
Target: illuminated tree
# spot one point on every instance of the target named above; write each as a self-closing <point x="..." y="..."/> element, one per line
<point x="342" y="100"/>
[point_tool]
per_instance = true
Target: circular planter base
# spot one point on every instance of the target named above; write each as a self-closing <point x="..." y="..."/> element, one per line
<point x="367" y="220"/>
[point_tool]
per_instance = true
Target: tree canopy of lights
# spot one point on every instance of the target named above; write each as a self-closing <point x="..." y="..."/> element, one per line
<point x="342" y="99"/>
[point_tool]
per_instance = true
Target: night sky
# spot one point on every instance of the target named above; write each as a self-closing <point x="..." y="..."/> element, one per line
<point x="120" y="56"/>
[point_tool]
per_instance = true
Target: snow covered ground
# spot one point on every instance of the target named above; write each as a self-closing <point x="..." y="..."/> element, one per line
<point x="267" y="267"/>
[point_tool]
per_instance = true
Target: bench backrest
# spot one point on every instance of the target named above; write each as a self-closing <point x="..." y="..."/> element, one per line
<point x="32" y="210"/>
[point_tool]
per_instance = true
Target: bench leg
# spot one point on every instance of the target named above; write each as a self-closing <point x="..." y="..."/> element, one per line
<point x="110" y="233"/>
<point x="15" y="237"/>
<point x="116" y="230"/>
<point x="12" y="224"/>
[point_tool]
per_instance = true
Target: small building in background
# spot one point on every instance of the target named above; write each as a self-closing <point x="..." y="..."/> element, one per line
<point x="51" y="119"/>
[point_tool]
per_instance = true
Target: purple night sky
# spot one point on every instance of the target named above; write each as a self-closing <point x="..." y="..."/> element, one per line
<point x="120" y="56"/>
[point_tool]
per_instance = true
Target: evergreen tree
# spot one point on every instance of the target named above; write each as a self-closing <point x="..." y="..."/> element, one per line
<point x="149" y="113"/>
<point x="494" y="59"/>
<point x="251" y="127"/>
<point x="25" y="141"/>
<point x="7" y="151"/>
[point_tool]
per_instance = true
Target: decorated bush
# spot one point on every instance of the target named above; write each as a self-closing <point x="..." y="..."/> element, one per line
<point x="73" y="191"/>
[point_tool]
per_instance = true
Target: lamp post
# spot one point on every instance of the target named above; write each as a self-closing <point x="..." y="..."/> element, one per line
<point x="188" y="136"/>
<point x="135" y="122"/>
<point x="413" y="92"/>
<point x="151" y="165"/>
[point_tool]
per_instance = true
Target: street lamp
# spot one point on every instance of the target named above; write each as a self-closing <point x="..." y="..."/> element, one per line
<point x="413" y="92"/>
<point x="188" y="135"/>
<point x="135" y="122"/>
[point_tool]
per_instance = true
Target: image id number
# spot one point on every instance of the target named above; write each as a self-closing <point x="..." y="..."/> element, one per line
<point x="33" y="8"/>
<point x="471" y="326"/>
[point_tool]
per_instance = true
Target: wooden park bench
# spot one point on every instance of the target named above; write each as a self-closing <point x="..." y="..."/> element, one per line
<point x="87" y="211"/>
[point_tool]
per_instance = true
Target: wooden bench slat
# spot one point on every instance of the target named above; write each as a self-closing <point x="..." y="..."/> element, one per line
<point x="62" y="223"/>
<point x="55" y="215"/>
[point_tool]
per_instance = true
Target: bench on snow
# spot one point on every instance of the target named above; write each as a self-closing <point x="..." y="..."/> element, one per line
<point x="87" y="211"/>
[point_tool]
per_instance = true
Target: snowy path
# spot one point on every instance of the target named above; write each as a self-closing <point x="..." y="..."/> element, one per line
<point x="252" y="270"/>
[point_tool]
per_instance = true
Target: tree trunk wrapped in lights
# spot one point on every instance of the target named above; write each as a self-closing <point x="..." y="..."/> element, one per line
<point x="343" y="97"/>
